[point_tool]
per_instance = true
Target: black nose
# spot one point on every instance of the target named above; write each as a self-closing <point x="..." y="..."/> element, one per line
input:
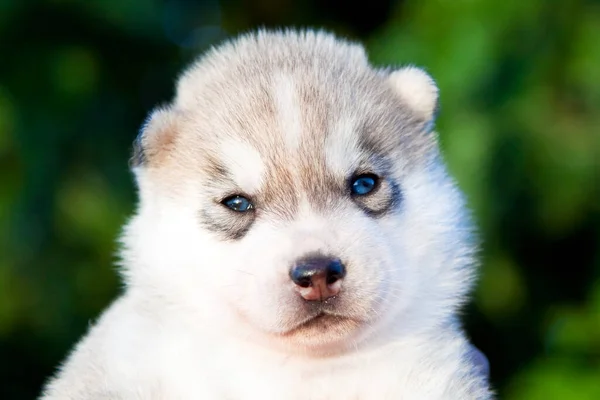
<point x="318" y="278"/>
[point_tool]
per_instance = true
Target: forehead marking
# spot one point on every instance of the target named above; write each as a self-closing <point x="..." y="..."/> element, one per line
<point x="285" y="96"/>
<point x="342" y="150"/>
<point x="245" y="164"/>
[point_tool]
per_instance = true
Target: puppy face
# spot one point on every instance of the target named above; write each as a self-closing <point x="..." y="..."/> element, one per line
<point x="298" y="190"/>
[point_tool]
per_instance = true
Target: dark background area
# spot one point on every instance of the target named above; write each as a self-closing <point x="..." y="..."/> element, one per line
<point x="519" y="124"/>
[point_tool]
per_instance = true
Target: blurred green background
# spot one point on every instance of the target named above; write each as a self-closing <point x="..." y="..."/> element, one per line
<point x="520" y="124"/>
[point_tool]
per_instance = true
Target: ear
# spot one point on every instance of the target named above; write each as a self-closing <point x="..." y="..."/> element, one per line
<point x="156" y="138"/>
<point x="417" y="89"/>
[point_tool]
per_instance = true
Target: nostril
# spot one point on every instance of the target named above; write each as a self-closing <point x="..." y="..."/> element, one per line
<point x="302" y="276"/>
<point x="304" y="282"/>
<point x="335" y="272"/>
<point x="331" y="279"/>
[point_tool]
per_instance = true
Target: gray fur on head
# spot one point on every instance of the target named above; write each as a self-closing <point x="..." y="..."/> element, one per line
<point x="236" y="78"/>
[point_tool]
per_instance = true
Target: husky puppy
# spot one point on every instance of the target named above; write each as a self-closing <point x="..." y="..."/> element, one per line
<point x="297" y="237"/>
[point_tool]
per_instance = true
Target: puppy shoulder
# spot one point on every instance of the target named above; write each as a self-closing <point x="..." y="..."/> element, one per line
<point x="99" y="364"/>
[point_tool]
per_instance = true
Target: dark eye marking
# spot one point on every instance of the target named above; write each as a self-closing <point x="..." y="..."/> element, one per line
<point x="238" y="203"/>
<point x="364" y="184"/>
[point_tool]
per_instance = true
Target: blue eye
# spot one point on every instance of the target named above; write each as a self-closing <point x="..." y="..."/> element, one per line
<point x="237" y="203"/>
<point x="364" y="184"/>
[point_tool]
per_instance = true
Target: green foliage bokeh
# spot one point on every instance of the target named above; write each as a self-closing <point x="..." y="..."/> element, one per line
<point x="519" y="124"/>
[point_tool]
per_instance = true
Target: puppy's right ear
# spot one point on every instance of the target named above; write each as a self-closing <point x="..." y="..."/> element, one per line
<point x="156" y="138"/>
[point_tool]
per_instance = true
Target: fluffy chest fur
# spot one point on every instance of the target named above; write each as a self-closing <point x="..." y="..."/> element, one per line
<point x="130" y="356"/>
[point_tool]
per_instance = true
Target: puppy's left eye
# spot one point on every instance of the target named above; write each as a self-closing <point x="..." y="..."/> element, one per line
<point x="364" y="184"/>
<point x="237" y="203"/>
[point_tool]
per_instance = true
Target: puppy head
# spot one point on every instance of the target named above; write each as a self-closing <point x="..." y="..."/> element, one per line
<point x="299" y="192"/>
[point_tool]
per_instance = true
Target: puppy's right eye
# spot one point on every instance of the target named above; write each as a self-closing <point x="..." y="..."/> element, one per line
<point x="237" y="203"/>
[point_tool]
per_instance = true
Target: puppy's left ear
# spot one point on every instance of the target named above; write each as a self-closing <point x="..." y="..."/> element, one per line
<point x="417" y="89"/>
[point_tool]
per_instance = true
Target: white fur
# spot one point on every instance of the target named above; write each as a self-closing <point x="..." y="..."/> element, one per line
<point x="207" y="318"/>
<point x="245" y="164"/>
<point x="288" y="110"/>
<point x="341" y="147"/>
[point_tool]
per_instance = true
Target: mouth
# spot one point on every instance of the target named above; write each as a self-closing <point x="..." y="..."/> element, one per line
<point x="325" y="325"/>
